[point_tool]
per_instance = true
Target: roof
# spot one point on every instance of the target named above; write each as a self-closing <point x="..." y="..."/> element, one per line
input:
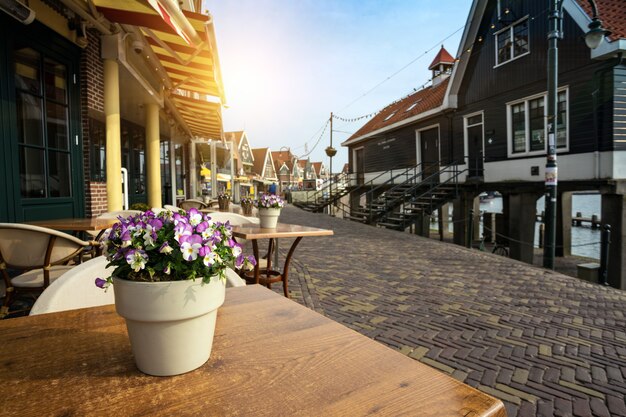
<point x="612" y="13"/>
<point x="405" y="109"/>
<point x="282" y="157"/>
<point x="260" y="154"/>
<point x="443" y="57"/>
<point x="317" y="167"/>
<point x="234" y="136"/>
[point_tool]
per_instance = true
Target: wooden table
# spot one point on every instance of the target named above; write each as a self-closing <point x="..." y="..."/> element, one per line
<point x="77" y="225"/>
<point x="253" y="232"/>
<point x="271" y="357"/>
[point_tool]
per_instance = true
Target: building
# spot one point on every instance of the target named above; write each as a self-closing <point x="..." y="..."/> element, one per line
<point x="481" y="124"/>
<point x="263" y="169"/>
<point x="103" y="105"/>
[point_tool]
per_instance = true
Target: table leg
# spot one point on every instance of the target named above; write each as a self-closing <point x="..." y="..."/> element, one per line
<point x="285" y="274"/>
<point x="255" y="252"/>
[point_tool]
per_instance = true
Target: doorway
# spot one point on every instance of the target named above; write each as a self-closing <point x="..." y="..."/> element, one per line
<point x="428" y="145"/>
<point x="474" y="133"/>
<point x="360" y="166"/>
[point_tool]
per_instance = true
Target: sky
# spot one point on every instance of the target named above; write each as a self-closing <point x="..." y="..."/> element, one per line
<point x="287" y="64"/>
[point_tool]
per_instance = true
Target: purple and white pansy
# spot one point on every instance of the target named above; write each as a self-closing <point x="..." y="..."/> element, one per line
<point x="170" y="247"/>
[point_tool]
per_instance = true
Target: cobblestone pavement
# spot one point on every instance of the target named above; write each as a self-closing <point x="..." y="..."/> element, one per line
<point x="544" y="343"/>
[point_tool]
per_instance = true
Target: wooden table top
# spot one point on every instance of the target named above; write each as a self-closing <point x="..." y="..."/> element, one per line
<point x="282" y="230"/>
<point x="78" y="225"/>
<point x="270" y="357"/>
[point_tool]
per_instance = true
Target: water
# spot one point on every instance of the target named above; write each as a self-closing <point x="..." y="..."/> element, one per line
<point x="585" y="240"/>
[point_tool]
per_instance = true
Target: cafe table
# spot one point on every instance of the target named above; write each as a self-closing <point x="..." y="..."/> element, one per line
<point x="93" y="224"/>
<point x="270" y="357"/>
<point x="267" y="275"/>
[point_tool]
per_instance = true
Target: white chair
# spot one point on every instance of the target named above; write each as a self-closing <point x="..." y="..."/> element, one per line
<point x="233" y="279"/>
<point x="42" y="253"/>
<point x="77" y="289"/>
<point x="171" y="208"/>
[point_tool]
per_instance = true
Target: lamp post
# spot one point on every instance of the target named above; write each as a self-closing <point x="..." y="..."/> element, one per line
<point x="330" y="151"/>
<point x="593" y="38"/>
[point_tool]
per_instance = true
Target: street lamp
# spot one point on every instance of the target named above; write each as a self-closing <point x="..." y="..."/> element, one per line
<point x="593" y="38"/>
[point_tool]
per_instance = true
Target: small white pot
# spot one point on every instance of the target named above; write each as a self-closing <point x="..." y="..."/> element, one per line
<point x="170" y="324"/>
<point x="268" y="217"/>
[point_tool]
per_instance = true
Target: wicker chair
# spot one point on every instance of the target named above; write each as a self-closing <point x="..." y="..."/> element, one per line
<point x="42" y="255"/>
<point x="191" y="203"/>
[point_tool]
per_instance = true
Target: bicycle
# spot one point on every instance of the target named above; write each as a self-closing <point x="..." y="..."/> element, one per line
<point x="498" y="249"/>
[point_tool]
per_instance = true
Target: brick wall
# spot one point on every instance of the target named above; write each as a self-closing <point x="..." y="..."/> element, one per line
<point x="96" y="203"/>
<point x="92" y="102"/>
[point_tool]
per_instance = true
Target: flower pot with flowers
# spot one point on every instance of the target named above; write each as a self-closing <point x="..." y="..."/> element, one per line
<point x="246" y="206"/>
<point x="169" y="281"/>
<point x="223" y="201"/>
<point x="269" y="206"/>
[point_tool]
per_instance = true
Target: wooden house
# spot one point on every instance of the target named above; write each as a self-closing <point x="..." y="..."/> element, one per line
<point x="481" y="125"/>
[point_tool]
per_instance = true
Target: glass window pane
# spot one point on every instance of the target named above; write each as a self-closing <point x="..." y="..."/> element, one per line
<point x="520" y="45"/>
<point x="29" y="119"/>
<point x="561" y="120"/>
<point x="56" y="119"/>
<point x="55" y="81"/>
<point x="59" y="177"/>
<point x="518" y="116"/>
<point x="27" y="63"/>
<point x="32" y="168"/>
<point x="97" y="135"/>
<point x="178" y="163"/>
<point x="504" y="46"/>
<point x="475" y="120"/>
<point x="537" y="130"/>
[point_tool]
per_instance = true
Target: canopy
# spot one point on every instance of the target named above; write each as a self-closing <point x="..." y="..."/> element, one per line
<point x="190" y="61"/>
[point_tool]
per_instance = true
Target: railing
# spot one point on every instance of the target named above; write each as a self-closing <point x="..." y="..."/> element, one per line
<point x="385" y="203"/>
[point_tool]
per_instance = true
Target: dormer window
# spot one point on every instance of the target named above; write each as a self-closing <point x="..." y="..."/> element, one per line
<point x="512" y="42"/>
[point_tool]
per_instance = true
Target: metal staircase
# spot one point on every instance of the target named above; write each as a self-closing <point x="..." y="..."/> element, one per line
<point x="405" y="203"/>
<point x="317" y="201"/>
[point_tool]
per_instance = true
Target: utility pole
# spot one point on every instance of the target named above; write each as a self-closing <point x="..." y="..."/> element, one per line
<point x="330" y="151"/>
<point x="551" y="178"/>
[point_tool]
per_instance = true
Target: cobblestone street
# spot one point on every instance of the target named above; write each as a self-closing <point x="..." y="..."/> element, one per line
<point x="544" y="343"/>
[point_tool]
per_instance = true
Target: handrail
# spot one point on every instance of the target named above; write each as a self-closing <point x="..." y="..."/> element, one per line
<point x="391" y="203"/>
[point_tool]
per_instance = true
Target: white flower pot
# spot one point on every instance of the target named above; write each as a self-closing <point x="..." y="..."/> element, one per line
<point x="268" y="217"/>
<point x="170" y="324"/>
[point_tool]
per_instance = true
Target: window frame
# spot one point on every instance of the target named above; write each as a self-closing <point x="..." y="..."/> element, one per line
<point x="526" y="101"/>
<point x="511" y="29"/>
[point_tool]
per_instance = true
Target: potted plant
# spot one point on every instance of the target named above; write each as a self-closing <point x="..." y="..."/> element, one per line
<point x="223" y="201"/>
<point x="246" y="206"/>
<point x="169" y="281"/>
<point x="269" y="206"/>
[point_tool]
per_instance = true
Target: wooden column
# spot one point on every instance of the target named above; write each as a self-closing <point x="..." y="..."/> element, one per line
<point x="153" y="157"/>
<point x="113" y="136"/>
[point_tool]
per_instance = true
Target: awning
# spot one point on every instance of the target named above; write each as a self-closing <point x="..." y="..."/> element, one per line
<point x="193" y="70"/>
<point x="223" y="177"/>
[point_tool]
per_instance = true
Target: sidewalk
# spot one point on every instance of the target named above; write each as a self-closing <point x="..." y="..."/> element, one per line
<point x="545" y="343"/>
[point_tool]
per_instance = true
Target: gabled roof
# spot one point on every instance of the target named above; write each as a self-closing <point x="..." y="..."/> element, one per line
<point x="443" y="57"/>
<point x="409" y="109"/>
<point x="317" y="167"/>
<point x="234" y="137"/>
<point x="282" y="157"/>
<point x="260" y="155"/>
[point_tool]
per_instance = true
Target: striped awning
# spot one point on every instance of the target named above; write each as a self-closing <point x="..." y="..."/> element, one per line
<point x="191" y="62"/>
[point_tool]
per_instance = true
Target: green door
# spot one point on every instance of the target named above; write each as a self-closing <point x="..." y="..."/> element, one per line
<point x="42" y="140"/>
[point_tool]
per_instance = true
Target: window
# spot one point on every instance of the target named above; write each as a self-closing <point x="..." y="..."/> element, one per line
<point x="97" y="134"/>
<point x="527" y="128"/>
<point x="389" y="117"/>
<point x="42" y="124"/>
<point x="512" y="42"/>
<point x="412" y="106"/>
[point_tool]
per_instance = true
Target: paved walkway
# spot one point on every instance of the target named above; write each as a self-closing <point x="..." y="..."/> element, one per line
<point x="544" y="343"/>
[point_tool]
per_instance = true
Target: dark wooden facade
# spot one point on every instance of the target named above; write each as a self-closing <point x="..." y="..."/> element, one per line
<point x="596" y="97"/>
